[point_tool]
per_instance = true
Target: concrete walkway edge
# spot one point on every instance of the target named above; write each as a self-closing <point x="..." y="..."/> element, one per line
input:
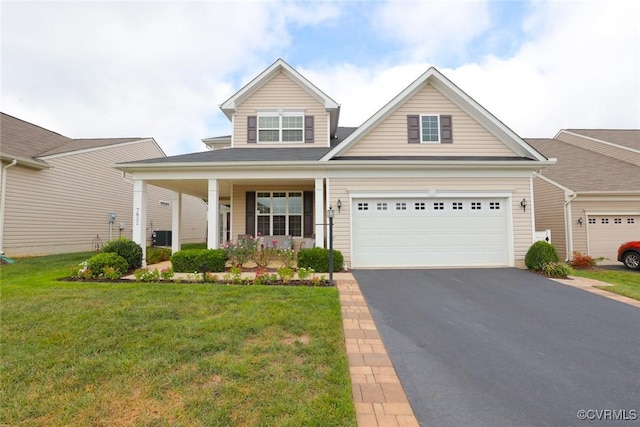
<point x="378" y="396"/>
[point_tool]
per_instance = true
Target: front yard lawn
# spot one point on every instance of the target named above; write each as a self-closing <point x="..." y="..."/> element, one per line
<point x="167" y="354"/>
<point x="625" y="283"/>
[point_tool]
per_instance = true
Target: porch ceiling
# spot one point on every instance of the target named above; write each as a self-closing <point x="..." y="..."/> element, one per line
<point x="200" y="187"/>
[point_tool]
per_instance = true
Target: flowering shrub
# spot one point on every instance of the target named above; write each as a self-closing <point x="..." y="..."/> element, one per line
<point x="241" y="252"/>
<point x="287" y="257"/>
<point x="262" y="257"/>
<point x="146" y="275"/>
<point x="110" y="273"/>
<point x="167" y="273"/>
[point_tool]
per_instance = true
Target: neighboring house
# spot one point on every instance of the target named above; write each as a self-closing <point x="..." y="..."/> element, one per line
<point x="432" y="179"/>
<point x="590" y="200"/>
<point x="58" y="193"/>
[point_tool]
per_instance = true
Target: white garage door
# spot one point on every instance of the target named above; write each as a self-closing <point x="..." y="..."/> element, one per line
<point x="608" y="232"/>
<point x="430" y="232"/>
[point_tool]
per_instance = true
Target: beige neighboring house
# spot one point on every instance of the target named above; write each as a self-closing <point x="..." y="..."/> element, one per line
<point x="430" y="180"/>
<point x="590" y="200"/>
<point x="58" y="193"/>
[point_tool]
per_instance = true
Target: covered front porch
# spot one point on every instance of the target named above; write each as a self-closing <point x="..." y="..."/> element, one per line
<point x="237" y="207"/>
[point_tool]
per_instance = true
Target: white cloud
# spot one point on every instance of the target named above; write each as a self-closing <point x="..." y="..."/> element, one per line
<point x="88" y="69"/>
<point x="432" y="29"/>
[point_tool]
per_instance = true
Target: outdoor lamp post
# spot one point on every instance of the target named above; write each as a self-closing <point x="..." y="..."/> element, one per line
<point x="330" y="214"/>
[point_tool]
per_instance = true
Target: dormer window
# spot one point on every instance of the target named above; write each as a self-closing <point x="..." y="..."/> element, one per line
<point x="281" y="127"/>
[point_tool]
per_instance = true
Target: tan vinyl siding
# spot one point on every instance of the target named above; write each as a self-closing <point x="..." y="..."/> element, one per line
<point x="389" y="138"/>
<point x="239" y="201"/>
<point x="64" y="208"/>
<point x="280" y="92"/>
<point x="517" y="187"/>
<point x="550" y="213"/>
<point x="583" y="205"/>
<point x="598" y="147"/>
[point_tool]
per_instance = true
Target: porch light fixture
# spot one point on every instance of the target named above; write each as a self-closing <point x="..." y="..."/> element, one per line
<point x="339" y="205"/>
<point x="580" y="221"/>
<point x="523" y="203"/>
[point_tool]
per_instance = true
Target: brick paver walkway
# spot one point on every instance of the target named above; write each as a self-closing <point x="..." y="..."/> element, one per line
<point x="377" y="393"/>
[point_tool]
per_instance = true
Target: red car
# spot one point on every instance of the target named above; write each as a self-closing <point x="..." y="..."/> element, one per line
<point x="629" y="255"/>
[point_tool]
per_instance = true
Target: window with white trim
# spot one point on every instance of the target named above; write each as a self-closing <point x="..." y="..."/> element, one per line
<point x="476" y="206"/>
<point x="617" y="221"/>
<point x="631" y="221"/>
<point x="401" y="206"/>
<point x="592" y="220"/>
<point x="605" y="220"/>
<point x="382" y="206"/>
<point x="430" y="128"/>
<point x="281" y="127"/>
<point x="279" y="213"/>
<point x="420" y="206"/>
<point x="438" y="206"/>
<point x="494" y="205"/>
<point x="457" y="206"/>
<point x="363" y="206"/>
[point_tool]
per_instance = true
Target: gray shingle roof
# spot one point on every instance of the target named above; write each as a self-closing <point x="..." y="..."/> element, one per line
<point x="270" y="154"/>
<point x="629" y="138"/>
<point x="23" y="139"/>
<point x="583" y="170"/>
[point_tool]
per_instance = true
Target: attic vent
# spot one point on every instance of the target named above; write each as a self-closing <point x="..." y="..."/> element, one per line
<point x="164" y="203"/>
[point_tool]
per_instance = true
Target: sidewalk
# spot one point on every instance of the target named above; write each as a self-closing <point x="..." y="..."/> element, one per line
<point x="377" y="393"/>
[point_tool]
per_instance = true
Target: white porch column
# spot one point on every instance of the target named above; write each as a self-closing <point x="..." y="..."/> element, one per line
<point x="319" y="214"/>
<point x="212" y="215"/>
<point x="176" y="219"/>
<point x="139" y="230"/>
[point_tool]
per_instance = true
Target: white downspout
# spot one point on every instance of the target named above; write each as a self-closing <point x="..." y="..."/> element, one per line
<point x="569" y="225"/>
<point x="2" y="201"/>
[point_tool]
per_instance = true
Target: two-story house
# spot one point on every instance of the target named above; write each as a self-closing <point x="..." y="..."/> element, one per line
<point x="432" y="179"/>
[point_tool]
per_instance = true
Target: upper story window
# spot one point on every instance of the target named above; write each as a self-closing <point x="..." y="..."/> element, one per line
<point x="429" y="129"/>
<point x="281" y="127"/>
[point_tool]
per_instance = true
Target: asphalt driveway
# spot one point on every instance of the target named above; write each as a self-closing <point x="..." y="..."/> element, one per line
<point x="505" y="347"/>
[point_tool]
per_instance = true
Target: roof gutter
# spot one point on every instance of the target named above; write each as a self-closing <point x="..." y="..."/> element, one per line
<point x="3" y="187"/>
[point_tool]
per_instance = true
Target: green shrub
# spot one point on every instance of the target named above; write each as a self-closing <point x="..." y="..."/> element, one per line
<point x="539" y="253"/>
<point x="191" y="260"/>
<point x="156" y="255"/>
<point x="127" y="249"/>
<point x="318" y="259"/>
<point x="97" y="263"/>
<point x="559" y="270"/>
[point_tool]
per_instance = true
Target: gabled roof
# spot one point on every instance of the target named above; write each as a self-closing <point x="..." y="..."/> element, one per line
<point x="583" y="170"/>
<point x="625" y="138"/>
<point x="29" y="143"/>
<point x="331" y="106"/>
<point x="457" y="96"/>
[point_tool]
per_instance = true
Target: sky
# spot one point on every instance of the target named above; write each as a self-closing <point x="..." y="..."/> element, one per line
<point x="98" y="69"/>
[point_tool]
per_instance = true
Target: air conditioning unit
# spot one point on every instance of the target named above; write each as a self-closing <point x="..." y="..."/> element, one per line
<point x="161" y="238"/>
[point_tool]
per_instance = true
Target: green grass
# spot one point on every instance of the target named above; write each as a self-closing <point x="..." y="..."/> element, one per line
<point x="625" y="283"/>
<point x="174" y="354"/>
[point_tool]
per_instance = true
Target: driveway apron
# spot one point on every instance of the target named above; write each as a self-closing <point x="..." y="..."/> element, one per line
<point x="506" y="347"/>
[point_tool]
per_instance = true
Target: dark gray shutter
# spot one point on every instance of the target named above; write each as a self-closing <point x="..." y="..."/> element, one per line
<point x="250" y="225"/>
<point x="307" y="219"/>
<point x="413" y="129"/>
<point x="308" y="128"/>
<point x="446" y="130"/>
<point x="252" y="130"/>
